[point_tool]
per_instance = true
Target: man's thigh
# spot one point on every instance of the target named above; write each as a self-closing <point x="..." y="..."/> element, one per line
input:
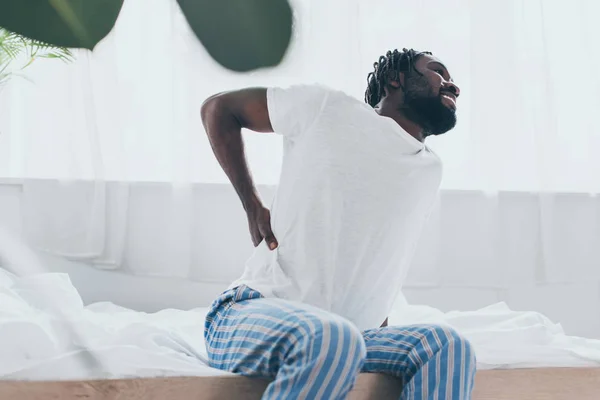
<point x="251" y="335"/>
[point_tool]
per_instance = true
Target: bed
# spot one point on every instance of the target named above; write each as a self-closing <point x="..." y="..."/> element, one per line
<point x="47" y="335"/>
<point x="530" y="384"/>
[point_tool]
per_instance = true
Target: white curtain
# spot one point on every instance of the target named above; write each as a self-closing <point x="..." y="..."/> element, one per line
<point x="129" y="112"/>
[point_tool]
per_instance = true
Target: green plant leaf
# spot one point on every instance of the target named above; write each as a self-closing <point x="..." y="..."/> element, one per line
<point x="64" y="23"/>
<point x="241" y="35"/>
<point x="3" y="67"/>
<point x="13" y="44"/>
<point x="41" y="49"/>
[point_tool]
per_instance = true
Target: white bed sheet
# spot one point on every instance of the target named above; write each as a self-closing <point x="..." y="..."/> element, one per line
<point x="45" y="330"/>
<point x="504" y="338"/>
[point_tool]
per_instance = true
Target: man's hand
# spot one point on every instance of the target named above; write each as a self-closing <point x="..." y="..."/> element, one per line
<point x="259" y="222"/>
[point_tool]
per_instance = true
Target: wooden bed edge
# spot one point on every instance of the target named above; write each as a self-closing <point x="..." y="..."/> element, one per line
<point x="368" y="386"/>
<point x="510" y="384"/>
<point x="559" y="383"/>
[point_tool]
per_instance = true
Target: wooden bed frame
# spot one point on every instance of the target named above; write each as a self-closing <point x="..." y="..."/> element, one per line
<point x="527" y="384"/>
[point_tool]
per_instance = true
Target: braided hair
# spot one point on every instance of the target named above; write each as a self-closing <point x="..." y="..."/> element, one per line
<point x="389" y="67"/>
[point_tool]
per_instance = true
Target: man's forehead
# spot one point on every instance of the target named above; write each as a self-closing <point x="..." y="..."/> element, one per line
<point x="427" y="58"/>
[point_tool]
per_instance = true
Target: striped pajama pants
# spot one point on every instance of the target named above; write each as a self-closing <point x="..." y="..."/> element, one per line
<point x="312" y="354"/>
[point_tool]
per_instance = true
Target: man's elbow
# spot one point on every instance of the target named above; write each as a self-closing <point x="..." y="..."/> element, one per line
<point x="209" y="107"/>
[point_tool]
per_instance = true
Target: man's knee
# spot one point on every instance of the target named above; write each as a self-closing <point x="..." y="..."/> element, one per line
<point x="449" y="338"/>
<point x="332" y="340"/>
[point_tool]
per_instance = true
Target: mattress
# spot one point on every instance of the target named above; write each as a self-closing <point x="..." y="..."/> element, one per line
<point x="46" y="333"/>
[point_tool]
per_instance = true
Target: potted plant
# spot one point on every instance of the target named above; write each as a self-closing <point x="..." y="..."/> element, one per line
<point x="18" y="48"/>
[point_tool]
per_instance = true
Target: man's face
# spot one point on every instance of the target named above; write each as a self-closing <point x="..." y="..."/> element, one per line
<point x="430" y="95"/>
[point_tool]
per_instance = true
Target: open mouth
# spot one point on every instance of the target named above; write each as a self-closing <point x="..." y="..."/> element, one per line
<point x="449" y="99"/>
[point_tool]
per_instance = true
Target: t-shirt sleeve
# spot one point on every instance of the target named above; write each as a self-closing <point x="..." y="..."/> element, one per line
<point x="294" y="110"/>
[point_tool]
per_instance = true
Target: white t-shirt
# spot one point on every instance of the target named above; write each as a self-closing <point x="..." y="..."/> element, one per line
<point x="354" y="193"/>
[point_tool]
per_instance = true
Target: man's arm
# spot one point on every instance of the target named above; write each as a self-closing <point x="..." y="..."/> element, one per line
<point x="223" y="116"/>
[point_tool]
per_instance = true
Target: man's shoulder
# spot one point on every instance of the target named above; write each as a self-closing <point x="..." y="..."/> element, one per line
<point x="336" y="93"/>
<point x="320" y="99"/>
<point x="324" y="89"/>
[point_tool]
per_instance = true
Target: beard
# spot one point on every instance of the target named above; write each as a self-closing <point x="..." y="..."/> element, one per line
<point x="427" y="110"/>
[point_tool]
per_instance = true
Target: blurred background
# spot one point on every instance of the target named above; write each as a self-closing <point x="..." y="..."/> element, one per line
<point x="106" y="171"/>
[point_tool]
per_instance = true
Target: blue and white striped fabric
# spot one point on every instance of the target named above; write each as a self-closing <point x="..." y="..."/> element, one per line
<point x="312" y="354"/>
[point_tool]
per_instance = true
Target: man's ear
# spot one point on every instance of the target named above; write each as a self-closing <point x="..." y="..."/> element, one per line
<point x="390" y="88"/>
<point x="396" y="83"/>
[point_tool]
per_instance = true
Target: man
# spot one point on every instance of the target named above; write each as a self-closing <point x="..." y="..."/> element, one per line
<point x="356" y="186"/>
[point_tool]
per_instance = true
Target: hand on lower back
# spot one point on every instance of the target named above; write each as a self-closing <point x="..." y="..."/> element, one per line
<point x="259" y="222"/>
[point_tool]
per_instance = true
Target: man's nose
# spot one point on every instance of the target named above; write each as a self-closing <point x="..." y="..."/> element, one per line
<point x="452" y="87"/>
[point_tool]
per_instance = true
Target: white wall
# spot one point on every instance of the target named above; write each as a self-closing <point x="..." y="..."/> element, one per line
<point x="456" y="267"/>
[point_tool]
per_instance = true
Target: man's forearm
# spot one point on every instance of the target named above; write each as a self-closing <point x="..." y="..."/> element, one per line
<point x="225" y="135"/>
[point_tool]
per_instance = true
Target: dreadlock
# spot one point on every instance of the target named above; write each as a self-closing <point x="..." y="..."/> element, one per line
<point x="389" y="67"/>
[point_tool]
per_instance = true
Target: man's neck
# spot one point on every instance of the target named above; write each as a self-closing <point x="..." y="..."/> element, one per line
<point x="414" y="129"/>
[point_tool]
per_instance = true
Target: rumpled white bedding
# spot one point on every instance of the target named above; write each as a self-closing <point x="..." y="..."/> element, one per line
<point x="504" y="338"/>
<point x="45" y="331"/>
